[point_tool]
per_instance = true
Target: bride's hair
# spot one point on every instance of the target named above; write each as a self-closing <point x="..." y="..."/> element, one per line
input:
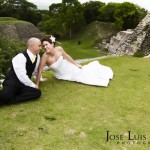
<point x="49" y="39"/>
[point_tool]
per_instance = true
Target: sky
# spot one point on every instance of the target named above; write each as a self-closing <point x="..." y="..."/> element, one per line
<point x="44" y="4"/>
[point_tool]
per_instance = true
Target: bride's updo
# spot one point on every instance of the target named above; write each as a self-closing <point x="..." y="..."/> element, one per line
<point x="49" y="39"/>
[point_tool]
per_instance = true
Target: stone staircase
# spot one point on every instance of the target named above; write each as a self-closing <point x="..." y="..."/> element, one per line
<point x="128" y="42"/>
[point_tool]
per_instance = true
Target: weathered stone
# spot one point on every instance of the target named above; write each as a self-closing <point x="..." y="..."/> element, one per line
<point x="128" y="42"/>
<point x="19" y="30"/>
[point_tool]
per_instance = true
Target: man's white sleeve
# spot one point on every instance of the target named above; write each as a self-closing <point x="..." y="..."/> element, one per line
<point x="19" y="65"/>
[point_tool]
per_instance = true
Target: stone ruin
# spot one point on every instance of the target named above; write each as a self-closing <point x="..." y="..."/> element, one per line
<point x="130" y="41"/>
<point x="19" y="30"/>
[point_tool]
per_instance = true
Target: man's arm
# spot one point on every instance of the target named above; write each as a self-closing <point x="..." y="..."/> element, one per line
<point x="19" y="65"/>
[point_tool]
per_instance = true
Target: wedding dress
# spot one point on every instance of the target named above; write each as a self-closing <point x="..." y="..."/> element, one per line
<point x="92" y="74"/>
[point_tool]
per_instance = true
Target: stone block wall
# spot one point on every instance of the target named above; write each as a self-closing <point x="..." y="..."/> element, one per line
<point x="132" y="41"/>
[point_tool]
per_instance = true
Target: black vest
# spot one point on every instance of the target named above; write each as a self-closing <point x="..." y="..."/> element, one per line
<point x="29" y="68"/>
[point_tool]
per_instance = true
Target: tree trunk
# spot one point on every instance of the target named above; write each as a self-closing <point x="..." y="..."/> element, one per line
<point x="70" y="33"/>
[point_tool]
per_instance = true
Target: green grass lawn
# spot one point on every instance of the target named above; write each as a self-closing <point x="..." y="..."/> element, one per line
<point x="84" y="50"/>
<point x="73" y="116"/>
<point x="9" y="20"/>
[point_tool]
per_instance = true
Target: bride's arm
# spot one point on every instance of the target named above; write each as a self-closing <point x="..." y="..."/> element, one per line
<point x="40" y="69"/>
<point x="69" y="58"/>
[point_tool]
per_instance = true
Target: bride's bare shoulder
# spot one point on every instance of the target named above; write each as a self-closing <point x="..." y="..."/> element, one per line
<point x="59" y="48"/>
<point x="45" y="55"/>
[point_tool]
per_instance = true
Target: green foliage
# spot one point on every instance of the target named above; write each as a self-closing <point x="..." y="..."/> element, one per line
<point x="8" y="49"/>
<point x="22" y="10"/>
<point x="71" y="15"/>
<point x="106" y="12"/>
<point x="96" y="31"/>
<point x="54" y="9"/>
<point x="49" y="26"/>
<point x="146" y="27"/>
<point x="64" y="18"/>
<point x="88" y="36"/>
<point x="91" y="10"/>
<point x="127" y="15"/>
<point x="138" y="54"/>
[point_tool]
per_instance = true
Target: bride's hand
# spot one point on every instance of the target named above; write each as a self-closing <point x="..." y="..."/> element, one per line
<point x="79" y="66"/>
<point x="43" y="79"/>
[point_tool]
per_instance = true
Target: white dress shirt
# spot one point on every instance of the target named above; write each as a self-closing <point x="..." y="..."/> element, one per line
<point x="19" y="65"/>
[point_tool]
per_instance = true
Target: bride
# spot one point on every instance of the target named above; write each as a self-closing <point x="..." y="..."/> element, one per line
<point x="65" y="68"/>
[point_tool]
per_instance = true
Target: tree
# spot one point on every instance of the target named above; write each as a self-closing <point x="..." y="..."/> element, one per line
<point x="127" y="15"/>
<point x="106" y="12"/>
<point x="8" y="52"/>
<point x="54" y="9"/>
<point x="20" y="9"/>
<point x="50" y="26"/>
<point x="71" y="15"/>
<point x="91" y="10"/>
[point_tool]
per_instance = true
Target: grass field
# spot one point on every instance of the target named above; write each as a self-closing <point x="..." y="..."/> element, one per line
<point x="84" y="50"/>
<point x="73" y="116"/>
<point x="9" y="20"/>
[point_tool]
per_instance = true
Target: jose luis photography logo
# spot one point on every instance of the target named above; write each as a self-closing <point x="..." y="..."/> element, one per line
<point x="127" y="138"/>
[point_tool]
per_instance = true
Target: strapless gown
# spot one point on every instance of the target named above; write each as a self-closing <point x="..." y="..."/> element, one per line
<point x="92" y="74"/>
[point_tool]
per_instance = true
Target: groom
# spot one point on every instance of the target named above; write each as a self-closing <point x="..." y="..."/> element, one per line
<point x="18" y="86"/>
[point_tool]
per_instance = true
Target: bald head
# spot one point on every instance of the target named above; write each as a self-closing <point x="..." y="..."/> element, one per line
<point x="34" y="45"/>
<point x="32" y="41"/>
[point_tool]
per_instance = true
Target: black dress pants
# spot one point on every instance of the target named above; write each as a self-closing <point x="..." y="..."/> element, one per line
<point x="15" y="92"/>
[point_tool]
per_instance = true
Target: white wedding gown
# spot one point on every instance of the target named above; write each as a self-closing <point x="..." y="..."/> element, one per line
<point x="92" y="74"/>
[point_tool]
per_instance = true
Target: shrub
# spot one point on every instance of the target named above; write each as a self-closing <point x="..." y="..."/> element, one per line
<point x="8" y="49"/>
<point x="138" y="54"/>
<point x="146" y="27"/>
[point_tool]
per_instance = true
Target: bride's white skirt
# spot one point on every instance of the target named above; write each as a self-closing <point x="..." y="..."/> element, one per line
<point x="92" y="74"/>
